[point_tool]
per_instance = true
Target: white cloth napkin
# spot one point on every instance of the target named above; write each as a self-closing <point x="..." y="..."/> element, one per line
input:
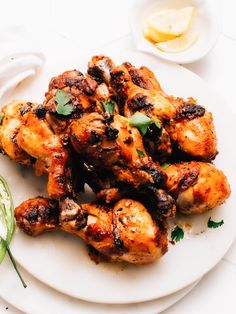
<point x="20" y="57"/>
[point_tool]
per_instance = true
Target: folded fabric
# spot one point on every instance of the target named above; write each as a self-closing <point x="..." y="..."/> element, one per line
<point x="20" y="57"/>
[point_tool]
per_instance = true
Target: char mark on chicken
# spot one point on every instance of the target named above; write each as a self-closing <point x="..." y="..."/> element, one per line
<point x="184" y="123"/>
<point x="124" y="232"/>
<point x="29" y="140"/>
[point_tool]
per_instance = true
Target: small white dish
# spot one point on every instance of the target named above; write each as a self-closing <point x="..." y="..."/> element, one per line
<point x="15" y="68"/>
<point x="205" y="24"/>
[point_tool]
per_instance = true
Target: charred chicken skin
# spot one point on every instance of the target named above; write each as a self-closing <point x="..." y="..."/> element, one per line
<point x="84" y="96"/>
<point x="117" y="147"/>
<point x="29" y="140"/>
<point x="196" y="186"/>
<point x="11" y="123"/>
<point x="98" y="146"/>
<point x="124" y="232"/>
<point x="103" y="140"/>
<point x="184" y="123"/>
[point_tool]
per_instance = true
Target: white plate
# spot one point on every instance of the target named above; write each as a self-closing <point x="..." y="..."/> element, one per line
<point x="206" y="25"/>
<point x="61" y="260"/>
<point x="37" y="296"/>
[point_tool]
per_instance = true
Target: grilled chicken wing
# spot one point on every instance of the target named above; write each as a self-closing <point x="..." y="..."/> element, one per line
<point x="28" y="139"/>
<point x="124" y="232"/>
<point x="196" y="186"/>
<point x="185" y="123"/>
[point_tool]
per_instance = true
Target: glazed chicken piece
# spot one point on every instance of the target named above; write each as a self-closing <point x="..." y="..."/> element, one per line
<point x="9" y="127"/>
<point x="84" y="94"/>
<point x="29" y="140"/>
<point x="193" y="130"/>
<point x="127" y="95"/>
<point x="124" y="232"/>
<point x="196" y="186"/>
<point x="95" y="137"/>
<point x="113" y="146"/>
<point x="184" y="123"/>
<point x="109" y="190"/>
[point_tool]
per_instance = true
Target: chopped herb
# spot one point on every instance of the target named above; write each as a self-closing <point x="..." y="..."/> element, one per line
<point x="62" y="97"/>
<point x="142" y="122"/>
<point x="143" y="129"/>
<point x="14" y="263"/>
<point x="65" y="110"/>
<point x="109" y="106"/>
<point x="214" y="224"/>
<point x="157" y="123"/>
<point x="63" y="106"/>
<point x="165" y="165"/>
<point x="1" y="118"/>
<point x="139" y="118"/>
<point x="7" y="224"/>
<point x="140" y="153"/>
<point x="177" y="234"/>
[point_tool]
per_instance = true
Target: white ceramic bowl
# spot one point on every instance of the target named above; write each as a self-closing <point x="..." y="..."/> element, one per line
<point x="206" y="24"/>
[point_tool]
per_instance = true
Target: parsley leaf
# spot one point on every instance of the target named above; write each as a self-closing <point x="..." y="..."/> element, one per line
<point x="139" y="118"/>
<point x="143" y="129"/>
<point x="1" y="118"/>
<point x="214" y="224"/>
<point x="142" y="122"/>
<point x="140" y="153"/>
<point x="62" y="97"/>
<point x="63" y="106"/>
<point x="165" y="165"/>
<point x="65" y="110"/>
<point x="109" y="106"/>
<point x="177" y="234"/>
<point x="157" y="123"/>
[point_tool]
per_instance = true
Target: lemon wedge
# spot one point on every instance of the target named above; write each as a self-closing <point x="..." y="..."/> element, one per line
<point x="178" y="44"/>
<point x="168" y="24"/>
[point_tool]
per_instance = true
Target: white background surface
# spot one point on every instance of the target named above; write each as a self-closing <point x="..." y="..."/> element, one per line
<point x="94" y="23"/>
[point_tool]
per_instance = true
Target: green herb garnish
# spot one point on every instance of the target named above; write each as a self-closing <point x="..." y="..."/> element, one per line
<point x="214" y="224"/>
<point x="109" y="106"/>
<point x="177" y="234"/>
<point x="140" y="153"/>
<point x="63" y="106"/>
<point x="142" y="122"/>
<point x="1" y="118"/>
<point x="165" y="165"/>
<point x="157" y="123"/>
<point x="14" y="263"/>
<point x="7" y="224"/>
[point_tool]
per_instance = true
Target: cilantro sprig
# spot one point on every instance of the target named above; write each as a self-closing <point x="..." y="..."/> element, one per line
<point x="214" y="224"/>
<point x="109" y="106"/>
<point x="64" y="107"/>
<point x="142" y="122"/>
<point x="177" y="234"/>
<point x="165" y="165"/>
<point x="140" y="153"/>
